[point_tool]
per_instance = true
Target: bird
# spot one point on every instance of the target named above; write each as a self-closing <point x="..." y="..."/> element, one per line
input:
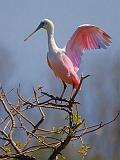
<point x="65" y="61"/>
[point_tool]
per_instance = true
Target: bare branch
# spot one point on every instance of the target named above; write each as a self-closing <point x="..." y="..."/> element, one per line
<point x="17" y="118"/>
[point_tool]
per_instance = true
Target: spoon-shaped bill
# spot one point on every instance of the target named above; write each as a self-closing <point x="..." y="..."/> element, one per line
<point x="29" y="36"/>
<point x="39" y="27"/>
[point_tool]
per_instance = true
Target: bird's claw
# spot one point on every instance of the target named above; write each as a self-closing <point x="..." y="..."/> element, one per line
<point x="58" y="99"/>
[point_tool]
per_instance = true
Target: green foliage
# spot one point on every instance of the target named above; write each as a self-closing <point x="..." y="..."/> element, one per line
<point x="76" y="118"/>
<point x="7" y="149"/>
<point x="41" y="138"/>
<point x="83" y="150"/>
<point x="60" y="130"/>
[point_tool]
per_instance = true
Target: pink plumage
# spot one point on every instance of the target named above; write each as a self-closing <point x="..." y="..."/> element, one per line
<point x="65" y="62"/>
<point x="64" y="69"/>
<point x="85" y="37"/>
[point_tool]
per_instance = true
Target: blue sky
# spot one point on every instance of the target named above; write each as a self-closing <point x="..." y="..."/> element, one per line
<point x="19" y="18"/>
<point x="29" y="67"/>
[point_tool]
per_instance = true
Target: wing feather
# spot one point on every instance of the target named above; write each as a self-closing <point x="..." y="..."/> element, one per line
<point x="86" y="37"/>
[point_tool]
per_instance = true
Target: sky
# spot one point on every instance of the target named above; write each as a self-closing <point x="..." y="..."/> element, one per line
<point x="19" y="18"/>
<point x="25" y="62"/>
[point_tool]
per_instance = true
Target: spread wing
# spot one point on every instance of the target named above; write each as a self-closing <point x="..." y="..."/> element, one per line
<point x="86" y="36"/>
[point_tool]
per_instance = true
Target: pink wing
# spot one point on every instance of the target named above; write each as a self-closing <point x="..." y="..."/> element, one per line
<point x="86" y="37"/>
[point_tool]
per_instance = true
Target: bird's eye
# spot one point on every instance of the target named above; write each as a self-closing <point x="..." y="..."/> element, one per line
<point x="42" y="23"/>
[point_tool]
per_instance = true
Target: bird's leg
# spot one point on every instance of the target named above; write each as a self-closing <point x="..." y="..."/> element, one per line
<point x="65" y="86"/>
<point x="73" y="87"/>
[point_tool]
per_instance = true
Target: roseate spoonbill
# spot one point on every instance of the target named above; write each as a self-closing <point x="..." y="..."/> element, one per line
<point x="65" y="61"/>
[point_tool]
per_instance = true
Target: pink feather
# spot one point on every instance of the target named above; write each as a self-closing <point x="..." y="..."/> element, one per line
<point x="86" y="36"/>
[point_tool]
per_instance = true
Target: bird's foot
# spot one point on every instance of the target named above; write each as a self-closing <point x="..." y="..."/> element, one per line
<point x="61" y="99"/>
<point x="58" y="99"/>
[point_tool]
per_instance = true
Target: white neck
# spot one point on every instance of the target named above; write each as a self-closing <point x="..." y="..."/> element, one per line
<point x="51" y="41"/>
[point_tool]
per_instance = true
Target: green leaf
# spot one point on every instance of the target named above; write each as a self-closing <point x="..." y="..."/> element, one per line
<point x="67" y="117"/>
<point x="77" y="118"/>
<point x="7" y="149"/>
<point x="84" y="149"/>
<point x="41" y="139"/>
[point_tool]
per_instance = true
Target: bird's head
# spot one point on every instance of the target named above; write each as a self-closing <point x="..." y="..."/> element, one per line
<point x="45" y="24"/>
